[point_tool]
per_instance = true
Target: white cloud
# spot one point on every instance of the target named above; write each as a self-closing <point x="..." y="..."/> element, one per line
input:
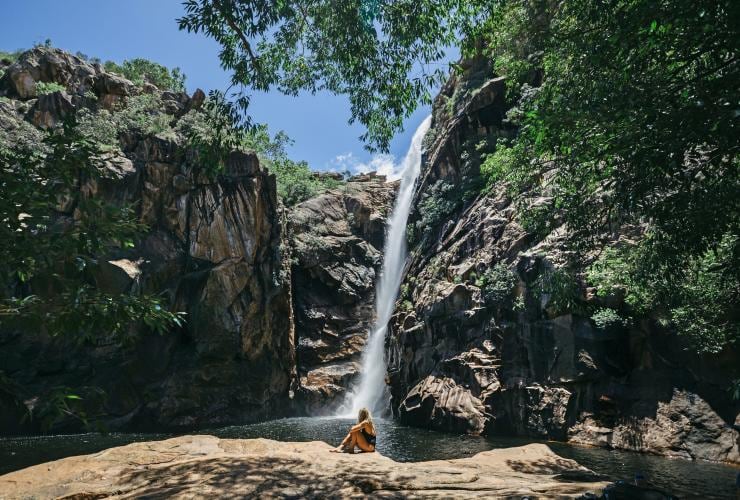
<point x="383" y="164"/>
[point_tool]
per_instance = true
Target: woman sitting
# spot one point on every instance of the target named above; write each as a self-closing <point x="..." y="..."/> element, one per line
<point x="361" y="435"/>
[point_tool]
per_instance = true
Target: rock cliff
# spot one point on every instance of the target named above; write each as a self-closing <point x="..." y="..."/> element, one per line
<point x="479" y="345"/>
<point x="212" y="248"/>
<point x="337" y="244"/>
<point x="278" y="300"/>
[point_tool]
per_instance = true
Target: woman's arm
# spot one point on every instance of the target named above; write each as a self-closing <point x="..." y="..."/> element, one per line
<point x="359" y="426"/>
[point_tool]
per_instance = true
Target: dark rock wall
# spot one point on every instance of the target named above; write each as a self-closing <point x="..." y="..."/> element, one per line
<point x="213" y="248"/>
<point x="458" y="362"/>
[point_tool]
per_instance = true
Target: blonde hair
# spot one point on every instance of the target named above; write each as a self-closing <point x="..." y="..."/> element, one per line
<point x="365" y="415"/>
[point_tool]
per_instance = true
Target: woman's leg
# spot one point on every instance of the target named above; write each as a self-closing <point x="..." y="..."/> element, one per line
<point x="345" y="443"/>
<point x="362" y="443"/>
<point x="350" y="447"/>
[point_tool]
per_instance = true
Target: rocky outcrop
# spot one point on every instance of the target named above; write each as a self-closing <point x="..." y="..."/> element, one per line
<point x="212" y="248"/>
<point x="199" y="466"/>
<point x="478" y="345"/>
<point x="337" y="244"/>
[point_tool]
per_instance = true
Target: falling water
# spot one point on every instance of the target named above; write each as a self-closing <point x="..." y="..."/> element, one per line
<point x="371" y="389"/>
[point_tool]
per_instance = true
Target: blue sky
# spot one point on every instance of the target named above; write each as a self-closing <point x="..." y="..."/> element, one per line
<point x="119" y="30"/>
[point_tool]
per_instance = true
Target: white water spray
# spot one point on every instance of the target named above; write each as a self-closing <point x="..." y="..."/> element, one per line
<point x="371" y="389"/>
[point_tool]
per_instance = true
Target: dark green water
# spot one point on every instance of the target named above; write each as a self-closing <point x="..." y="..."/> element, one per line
<point x="681" y="477"/>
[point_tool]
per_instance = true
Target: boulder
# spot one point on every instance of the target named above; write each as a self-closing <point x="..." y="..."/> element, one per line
<point x="49" y="65"/>
<point x="441" y="403"/>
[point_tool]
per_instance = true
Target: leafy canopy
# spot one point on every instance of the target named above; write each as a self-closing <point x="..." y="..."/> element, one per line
<point x="627" y="112"/>
<point x="382" y="54"/>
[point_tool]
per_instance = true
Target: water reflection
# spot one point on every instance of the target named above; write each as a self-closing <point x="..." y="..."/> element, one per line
<point x="405" y="444"/>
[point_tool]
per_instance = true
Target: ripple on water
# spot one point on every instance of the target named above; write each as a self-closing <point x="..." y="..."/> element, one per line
<point x="404" y="444"/>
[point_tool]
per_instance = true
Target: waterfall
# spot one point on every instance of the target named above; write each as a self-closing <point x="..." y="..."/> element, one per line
<point x="371" y="389"/>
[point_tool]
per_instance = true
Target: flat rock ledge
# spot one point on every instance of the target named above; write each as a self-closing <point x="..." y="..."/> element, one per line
<point x="206" y="466"/>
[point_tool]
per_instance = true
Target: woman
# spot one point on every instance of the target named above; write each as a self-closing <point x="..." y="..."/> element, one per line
<point x="361" y="435"/>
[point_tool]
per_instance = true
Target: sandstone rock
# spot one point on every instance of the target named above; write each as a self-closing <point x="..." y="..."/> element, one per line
<point x="45" y="64"/>
<point x="686" y="426"/>
<point x="197" y="466"/>
<point x="212" y="249"/>
<point x="241" y="164"/>
<point x="196" y="100"/>
<point x="112" y="84"/>
<point x="118" y="276"/>
<point x="442" y="404"/>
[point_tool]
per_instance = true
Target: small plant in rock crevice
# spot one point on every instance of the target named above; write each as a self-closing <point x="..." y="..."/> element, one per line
<point x="497" y="284"/>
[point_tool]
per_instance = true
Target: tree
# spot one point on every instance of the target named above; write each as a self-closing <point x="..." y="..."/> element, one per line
<point x="382" y="54"/>
<point x="629" y="109"/>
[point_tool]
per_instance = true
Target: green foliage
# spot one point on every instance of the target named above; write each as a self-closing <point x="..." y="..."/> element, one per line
<point x="142" y="71"/>
<point x="497" y="166"/>
<point x="627" y="117"/>
<point x="698" y="297"/>
<point x="706" y="302"/>
<point x="436" y="204"/>
<point x="379" y="53"/>
<point x="214" y="133"/>
<point x="296" y="182"/>
<point x="10" y="57"/>
<point x="411" y="236"/>
<point x="734" y="389"/>
<point x="43" y="88"/>
<point x="633" y="118"/>
<point x="563" y="291"/>
<point x="7" y="58"/>
<point x="143" y="113"/>
<point x="63" y="403"/>
<point x="605" y="318"/>
<point x="50" y="260"/>
<point x="497" y="284"/>
<point x="626" y="271"/>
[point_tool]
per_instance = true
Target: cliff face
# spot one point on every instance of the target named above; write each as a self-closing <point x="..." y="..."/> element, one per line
<point x="337" y="244"/>
<point x="514" y="364"/>
<point x="213" y="248"/>
<point x="278" y="301"/>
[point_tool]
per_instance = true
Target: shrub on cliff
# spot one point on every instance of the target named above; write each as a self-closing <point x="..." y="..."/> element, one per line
<point x="497" y="284"/>
<point x="142" y="71"/>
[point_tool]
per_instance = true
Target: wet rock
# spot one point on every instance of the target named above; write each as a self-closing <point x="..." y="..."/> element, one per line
<point x="441" y="403"/>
